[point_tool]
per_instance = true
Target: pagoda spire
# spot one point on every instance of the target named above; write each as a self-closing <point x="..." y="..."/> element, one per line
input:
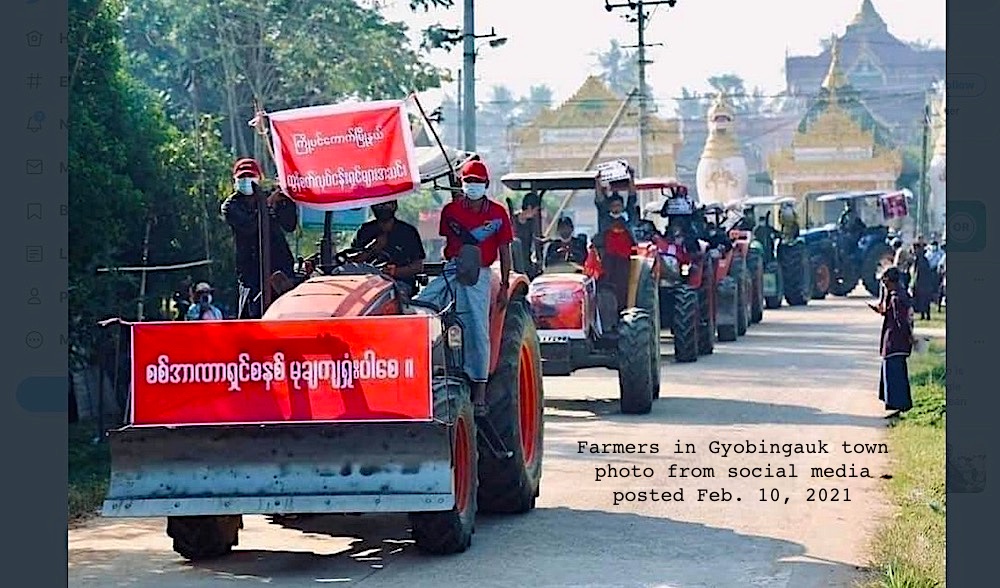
<point x="868" y="18"/>
<point x="835" y="79"/>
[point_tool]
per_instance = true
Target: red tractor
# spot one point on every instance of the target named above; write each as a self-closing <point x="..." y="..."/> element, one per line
<point x="736" y="284"/>
<point x="576" y="307"/>
<point x="688" y="291"/>
<point x="441" y="468"/>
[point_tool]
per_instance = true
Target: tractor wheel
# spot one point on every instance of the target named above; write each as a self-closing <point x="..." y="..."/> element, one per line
<point x="635" y="351"/>
<point x="772" y="302"/>
<point x="793" y="275"/>
<point x="842" y="285"/>
<point x="821" y="278"/>
<point x="648" y="298"/>
<point x="728" y="290"/>
<point x="738" y="272"/>
<point x="878" y="258"/>
<point x="685" y="325"/>
<point x="198" y="538"/>
<point x="755" y="269"/>
<point x="706" y="325"/>
<point x="447" y="532"/>
<point x="510" y="485"/>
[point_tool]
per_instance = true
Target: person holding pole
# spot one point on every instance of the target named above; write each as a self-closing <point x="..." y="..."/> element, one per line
<point x="241" y="211"/>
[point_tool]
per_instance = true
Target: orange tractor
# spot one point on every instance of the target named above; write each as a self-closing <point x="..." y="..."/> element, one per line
<point x="369" y="453"/>
<point x="576" y="308"/>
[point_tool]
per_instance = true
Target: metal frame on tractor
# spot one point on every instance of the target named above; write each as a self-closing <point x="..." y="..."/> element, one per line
<point x="577" y="315"/>
<point x="849" y="261"/>
<point x="441" y="472"/>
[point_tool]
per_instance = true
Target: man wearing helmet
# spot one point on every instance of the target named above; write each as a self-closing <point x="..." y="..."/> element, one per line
<point x="477" y="233"/>
<point x="240" y="210"/>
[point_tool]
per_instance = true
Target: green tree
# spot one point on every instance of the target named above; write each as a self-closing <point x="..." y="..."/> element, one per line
<point x="219" y="57"/>
<point x="619" y="68"/>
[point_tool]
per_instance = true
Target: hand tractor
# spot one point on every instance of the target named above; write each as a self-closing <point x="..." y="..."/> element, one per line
<point x="576" y="308"/>
<point x="365" y="453"/>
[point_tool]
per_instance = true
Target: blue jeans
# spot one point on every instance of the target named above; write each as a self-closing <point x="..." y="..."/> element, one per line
<point x="472" y="304"/>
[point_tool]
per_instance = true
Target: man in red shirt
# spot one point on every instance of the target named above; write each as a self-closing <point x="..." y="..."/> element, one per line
<point x="618" y="243"/>
<point x="478" y="232"/>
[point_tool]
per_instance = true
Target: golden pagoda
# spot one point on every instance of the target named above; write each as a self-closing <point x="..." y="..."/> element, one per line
<point x="564" y="138"/>
<point x="839" y="146"/>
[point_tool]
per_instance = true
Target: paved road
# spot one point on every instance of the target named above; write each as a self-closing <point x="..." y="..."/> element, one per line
<point x="804" y="375"/>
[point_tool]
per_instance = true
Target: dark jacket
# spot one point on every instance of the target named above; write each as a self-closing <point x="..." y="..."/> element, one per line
<point x="897" y="329"/>
<point x="240" y="212"/>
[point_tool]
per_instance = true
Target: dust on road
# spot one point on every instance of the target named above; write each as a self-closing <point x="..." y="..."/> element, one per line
<point x="804" y="374"/>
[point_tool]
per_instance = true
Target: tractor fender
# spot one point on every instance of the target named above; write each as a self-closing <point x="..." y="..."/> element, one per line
<point x="518" y="288"/>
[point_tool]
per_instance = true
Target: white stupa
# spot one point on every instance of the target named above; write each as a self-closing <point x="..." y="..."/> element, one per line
<point x="935" y="173"/>
<point x="722" y="171"/>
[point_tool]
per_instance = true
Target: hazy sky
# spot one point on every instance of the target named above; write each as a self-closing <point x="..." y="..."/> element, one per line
<point x="555" y="42"/>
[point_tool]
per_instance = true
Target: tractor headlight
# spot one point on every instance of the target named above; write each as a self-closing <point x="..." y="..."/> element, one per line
<point x="671" y="272"/>
<point x="686" y="269"/>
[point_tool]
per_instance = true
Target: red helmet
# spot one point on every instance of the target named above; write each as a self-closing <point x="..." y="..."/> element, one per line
<point x="474" y="170"/>
<point x="246" y="167"/>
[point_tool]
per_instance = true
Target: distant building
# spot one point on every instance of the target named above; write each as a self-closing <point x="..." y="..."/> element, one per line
<point x="892" y="75"/>
<point x="839" y="146"/>
<point x="565" y="138"/>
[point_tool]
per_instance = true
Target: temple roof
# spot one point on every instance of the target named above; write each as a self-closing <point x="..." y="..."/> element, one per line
<point x="836" y="90"/>
<point x="594" y="104"/>
<point x="866" y="34"/>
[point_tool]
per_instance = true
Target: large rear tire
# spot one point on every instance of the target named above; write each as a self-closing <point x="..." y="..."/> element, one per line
<point x="448" y="532"/>
<point x="792" y="258"/>
<point x="635" y="348"/>
<point x="706" y="324"/>
<point x="648" y="298"/>
<point x="878" y="258"/>
<point x="516" y="404"/>
<point x="728" y="294"/>
<point x="739" y="273"/>
<point x="755" y="267"/>
<point x="685" y="325"/>
<point x="199" y="538"/>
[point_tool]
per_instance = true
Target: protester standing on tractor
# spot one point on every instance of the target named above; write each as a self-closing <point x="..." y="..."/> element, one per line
<point x="242" y="214"/>
<point x="616" y="245"/>
<point x="627" y="208"/>
<point x="398" y="241"/>
<point x="477" y="231"/>
<point x="526" y="231"/>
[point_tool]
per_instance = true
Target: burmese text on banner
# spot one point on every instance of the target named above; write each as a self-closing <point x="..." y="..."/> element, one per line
<point x="240" y="372"/>
<point x="344" y="156"/>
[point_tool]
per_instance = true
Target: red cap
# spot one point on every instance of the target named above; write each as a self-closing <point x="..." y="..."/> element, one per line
<point x="246" y="167"/>
<point x="474" y="169"/>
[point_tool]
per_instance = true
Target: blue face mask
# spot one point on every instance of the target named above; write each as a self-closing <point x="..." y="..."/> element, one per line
<point x="244" y="186"/>
<point x="474" y="191"/>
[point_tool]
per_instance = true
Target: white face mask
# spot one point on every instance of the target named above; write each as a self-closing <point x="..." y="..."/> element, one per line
<point x="621" y="215"/>
<point x="245" y="185"/>
<point x="473" y="191"/>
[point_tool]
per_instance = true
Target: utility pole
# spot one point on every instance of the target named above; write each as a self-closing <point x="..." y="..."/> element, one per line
<point x="460" y="108"/>
<point x="641" y="19"/>
<point x="922" y="202"/>
<point x="469" y="76"/>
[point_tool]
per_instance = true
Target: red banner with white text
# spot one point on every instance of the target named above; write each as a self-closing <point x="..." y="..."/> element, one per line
<point x="343" y="156"/>
<point x="250" y="372"/>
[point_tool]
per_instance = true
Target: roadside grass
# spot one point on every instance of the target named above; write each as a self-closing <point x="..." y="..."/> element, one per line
<point x="909" y="550"/>
<point x="89" y="469"/>
<point x="938" y="320"/>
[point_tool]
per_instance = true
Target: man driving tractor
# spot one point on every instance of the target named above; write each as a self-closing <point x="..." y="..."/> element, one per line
<point x="477" y="231"/>
<point x="526" y="229"/>
<point x="616" y="251"/>
<point x="397" y="241"/>
<point x="565" y="249"/>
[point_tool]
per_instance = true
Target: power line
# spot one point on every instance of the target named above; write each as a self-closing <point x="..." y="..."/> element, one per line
<point x="708" y="96"/>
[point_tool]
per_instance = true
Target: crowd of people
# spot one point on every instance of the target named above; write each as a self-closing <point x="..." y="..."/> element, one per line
<point x="922" y="273"/>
